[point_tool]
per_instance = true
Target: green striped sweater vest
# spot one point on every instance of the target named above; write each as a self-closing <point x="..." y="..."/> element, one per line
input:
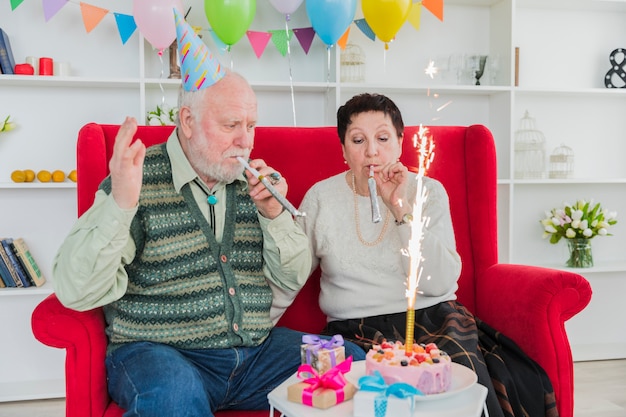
<point x="184" y="288"/>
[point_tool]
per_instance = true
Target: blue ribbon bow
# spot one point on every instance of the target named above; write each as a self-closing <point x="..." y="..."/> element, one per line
<point x="376" y="383"/>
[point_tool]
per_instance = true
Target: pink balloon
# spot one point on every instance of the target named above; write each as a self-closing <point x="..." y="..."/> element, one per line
<point x="286" y="6"/>
<point x="155" y="20"/>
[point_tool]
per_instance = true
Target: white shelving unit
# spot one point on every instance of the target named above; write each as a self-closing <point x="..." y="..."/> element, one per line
<point x="564" y="50"/>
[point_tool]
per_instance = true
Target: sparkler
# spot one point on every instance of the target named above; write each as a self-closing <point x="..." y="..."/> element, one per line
<point x="425" y="147"/>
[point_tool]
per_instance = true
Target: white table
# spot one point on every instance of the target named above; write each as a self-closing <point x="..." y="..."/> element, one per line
<point x="468" y="403"/>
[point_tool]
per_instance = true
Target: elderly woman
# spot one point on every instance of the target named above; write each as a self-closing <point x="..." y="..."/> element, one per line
<point x="364" y="267"/>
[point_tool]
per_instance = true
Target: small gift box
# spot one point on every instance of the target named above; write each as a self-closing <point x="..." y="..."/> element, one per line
<point x="377" y="399"/>
<point x="322" y="354"/>
<point x="322" y="390"/>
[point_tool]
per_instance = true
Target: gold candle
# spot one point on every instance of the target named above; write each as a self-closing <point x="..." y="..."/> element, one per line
<point x="410" y="327"/>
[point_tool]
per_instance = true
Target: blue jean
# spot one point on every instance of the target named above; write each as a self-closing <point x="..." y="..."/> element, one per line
<point x="151" y="379"/>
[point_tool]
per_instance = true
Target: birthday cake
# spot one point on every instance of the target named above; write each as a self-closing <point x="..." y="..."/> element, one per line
<point x="425" y="367"/>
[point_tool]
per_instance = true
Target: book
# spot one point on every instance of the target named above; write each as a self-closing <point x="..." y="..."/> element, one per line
<point x="7" y="61"/>
<point x="30" y="265"/>
<point x="17" y="282"/>
<point x="17" y="266"/>
<point x="5" y="275"/>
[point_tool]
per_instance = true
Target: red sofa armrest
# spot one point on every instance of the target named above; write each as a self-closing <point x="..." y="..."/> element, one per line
<point x="530" y="305"/>
<point x="82" y="335"/>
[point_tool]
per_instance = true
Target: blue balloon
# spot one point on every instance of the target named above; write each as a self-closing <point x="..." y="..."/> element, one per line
<point x="330" y="18"/>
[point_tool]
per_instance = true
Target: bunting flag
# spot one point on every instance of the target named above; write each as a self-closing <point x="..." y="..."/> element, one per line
<point x="280" y="39"/>
<point x="305" y="37"/>
<point x="15" y="4"/>
<point x="366" y="29"/>
<point x="344" y="39"/>
<point x="51" y="7"/>
<point x="125" y="26"/>
<point x="92" y="15"/>
<point x="415" y="15"/>
<point x="435" y="7"/>
<point x="258" y="41"/>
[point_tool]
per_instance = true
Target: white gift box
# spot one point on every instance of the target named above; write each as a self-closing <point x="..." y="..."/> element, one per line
<point x="364" y="405"/>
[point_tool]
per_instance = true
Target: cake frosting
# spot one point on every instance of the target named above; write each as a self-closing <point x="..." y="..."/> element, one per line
<point x="426" y="367"/>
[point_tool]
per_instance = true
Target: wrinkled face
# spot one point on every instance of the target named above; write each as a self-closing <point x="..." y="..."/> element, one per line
<point x="371" y="139"/>
<point x="221" y="128"/>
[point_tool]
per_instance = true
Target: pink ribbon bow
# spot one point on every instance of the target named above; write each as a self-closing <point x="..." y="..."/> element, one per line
<point x="332" y="379"/>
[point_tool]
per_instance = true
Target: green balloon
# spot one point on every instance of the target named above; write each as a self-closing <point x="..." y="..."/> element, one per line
<point x="230" y="19"/>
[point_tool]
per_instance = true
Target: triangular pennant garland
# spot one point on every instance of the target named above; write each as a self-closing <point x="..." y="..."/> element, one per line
<point x="51" y="7"/>
<point x="305" y="36"/>
<point x="344" y="39"/>
<point x="280" y="39"/>
<point x="435" y="7"/>
<point x="125" y="25"/>
<point x="415" y="15"/>
<point x="15" y="4"/>
<point x="365" y="28"/>
<point x="258" y="41"/>
<point x="92" y="15"/>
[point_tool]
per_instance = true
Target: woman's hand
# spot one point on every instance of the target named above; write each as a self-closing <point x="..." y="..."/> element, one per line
<point x="392" y="182"/>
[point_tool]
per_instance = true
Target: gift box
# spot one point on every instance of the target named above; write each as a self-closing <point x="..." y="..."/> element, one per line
<point x="322" y="390"/>
<point x="377" y="399"/>
<point x="322" y="354"/>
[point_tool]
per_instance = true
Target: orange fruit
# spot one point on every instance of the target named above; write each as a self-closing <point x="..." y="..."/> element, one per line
<point x="44" y="176"/>
<point x="58" y="176"/>
<point x="72" y="175"/>
<point x="18" y="176"/>
<point x="30" y="175"/>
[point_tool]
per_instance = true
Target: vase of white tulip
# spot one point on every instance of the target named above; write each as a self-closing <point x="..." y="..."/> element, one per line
<point x="578" y="223"/>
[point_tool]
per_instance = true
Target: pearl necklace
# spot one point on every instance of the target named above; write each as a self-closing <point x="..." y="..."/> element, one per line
<point x="358" y="221"/>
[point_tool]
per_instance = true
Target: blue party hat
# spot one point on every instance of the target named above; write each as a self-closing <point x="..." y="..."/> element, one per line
<point x="199" y="68"/>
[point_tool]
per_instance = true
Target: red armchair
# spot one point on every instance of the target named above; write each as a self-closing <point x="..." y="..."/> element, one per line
<point x="529" y="304"/>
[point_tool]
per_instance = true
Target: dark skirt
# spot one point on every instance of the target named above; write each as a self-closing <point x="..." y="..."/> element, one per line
<point x="517" y="385"/>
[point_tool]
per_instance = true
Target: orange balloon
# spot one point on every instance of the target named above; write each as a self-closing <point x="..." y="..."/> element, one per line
<point x="386" y="17"/>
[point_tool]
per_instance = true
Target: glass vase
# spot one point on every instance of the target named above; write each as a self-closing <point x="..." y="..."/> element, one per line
<point x="580" y="255"/>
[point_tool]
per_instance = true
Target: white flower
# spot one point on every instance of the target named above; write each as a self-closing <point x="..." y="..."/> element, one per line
<point x="550" y="229"/>
<point x="577" y="214"/>
<point x="583" y="219"/>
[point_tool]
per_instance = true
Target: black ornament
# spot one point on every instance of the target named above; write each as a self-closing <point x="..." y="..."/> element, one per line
<point x="616" y="76"/>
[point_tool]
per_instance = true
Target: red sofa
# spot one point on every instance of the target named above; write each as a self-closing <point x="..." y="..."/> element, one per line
<point x="529" y="304"/>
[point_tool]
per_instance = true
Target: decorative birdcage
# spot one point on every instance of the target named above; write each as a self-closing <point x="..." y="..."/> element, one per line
<point x="562" y="162"/>
<point x="530" y="150"/>
<point x="352" y="64"/>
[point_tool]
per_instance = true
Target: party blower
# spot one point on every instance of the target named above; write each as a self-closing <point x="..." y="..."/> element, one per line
<point x="278" y="196"/>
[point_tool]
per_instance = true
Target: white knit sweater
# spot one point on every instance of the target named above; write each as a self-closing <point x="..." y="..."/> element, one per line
<point x="360" y="281"/>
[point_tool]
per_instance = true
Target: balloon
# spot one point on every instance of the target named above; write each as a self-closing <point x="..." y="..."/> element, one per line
<point x="286" y="6"/>
<point x="330" y="18"/>
<point x="386" y="17"/>
<point x="230" y="19"/>
<point x="155" y="20"/>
